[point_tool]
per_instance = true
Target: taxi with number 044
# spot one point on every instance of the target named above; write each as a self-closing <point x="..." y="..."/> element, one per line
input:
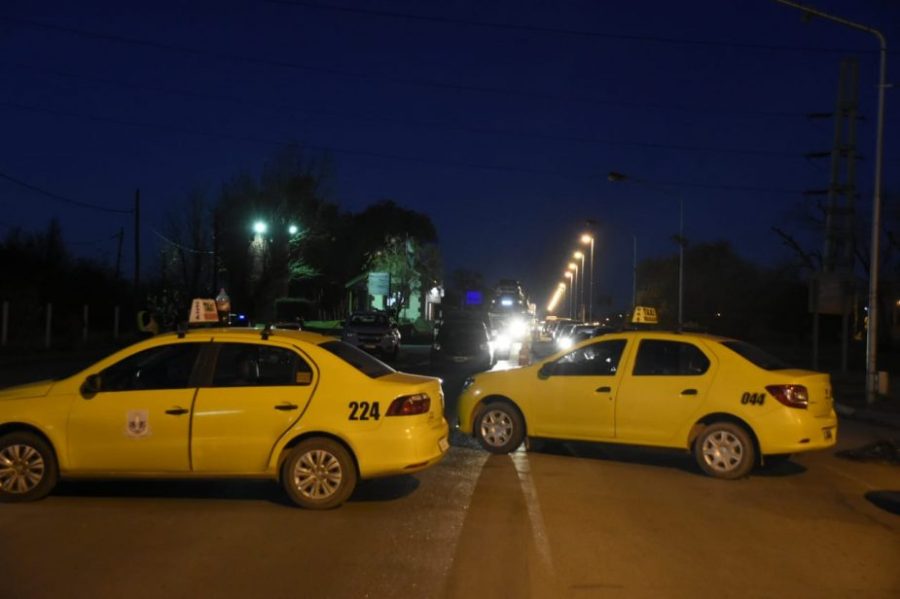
<point x="729" y="403"/>
<point x="307" y="410"/>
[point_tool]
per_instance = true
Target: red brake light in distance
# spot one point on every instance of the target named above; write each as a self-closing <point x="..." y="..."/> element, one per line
<point x="793" y="396"/>
<point x="410" y="405"/>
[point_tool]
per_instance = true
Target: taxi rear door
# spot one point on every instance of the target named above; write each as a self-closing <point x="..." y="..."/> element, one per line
<point x="664" y="386"/>
<point x="253" y="394"/>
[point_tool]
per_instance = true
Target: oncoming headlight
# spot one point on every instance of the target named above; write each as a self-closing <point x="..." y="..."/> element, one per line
<point x="502" y="342"/>
<point x="564" y="343"/>
<point x="516" y="328"/>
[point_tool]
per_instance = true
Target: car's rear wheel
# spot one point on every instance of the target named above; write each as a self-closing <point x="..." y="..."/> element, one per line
<point x="319" y="474"/>
<point x="28" y="469"/>
<point x="725" y="450"/>
<point x="500" y="428"/>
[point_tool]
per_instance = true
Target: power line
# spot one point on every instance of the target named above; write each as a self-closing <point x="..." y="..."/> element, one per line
<point x="583" y="33"/>
<point x="93" y="241"/>
<point x="60" y="198"/>
<point x="654" y="106"/>
<point x="180" y="246"/>
<point x="418" y="159"/>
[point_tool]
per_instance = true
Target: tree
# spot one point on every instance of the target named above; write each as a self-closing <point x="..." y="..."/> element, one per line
<point x="414" y="267"/>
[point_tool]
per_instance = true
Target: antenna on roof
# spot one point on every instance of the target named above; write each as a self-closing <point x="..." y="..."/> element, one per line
<point x="181" y="329"/>
<point x="266" y="331"/>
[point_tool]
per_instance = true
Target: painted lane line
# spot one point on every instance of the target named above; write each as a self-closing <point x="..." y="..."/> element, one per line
<point x="538" y="530"/>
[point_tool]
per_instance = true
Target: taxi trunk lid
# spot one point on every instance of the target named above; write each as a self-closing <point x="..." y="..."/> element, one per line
<point x="413" y="383"/>
<point x="818" y="388"/>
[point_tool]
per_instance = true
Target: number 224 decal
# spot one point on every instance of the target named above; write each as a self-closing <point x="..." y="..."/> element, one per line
<point x="754" y="399"/>
<point x="363" y="410"/>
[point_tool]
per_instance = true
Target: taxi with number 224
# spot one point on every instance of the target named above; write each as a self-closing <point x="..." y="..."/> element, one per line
<point x="728" y="402"/>
<point x="307" y="410"/>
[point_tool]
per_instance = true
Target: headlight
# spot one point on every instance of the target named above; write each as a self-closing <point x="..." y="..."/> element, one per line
<point x="516" y="328"/>
<point x="436" y="346"/>
<point x="468" y="382"/>
<point x="502" y="342"/>
<point x="564" y="343"/>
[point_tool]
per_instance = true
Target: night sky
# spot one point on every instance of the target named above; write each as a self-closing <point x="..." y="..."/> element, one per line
<point x="500" y="119"/>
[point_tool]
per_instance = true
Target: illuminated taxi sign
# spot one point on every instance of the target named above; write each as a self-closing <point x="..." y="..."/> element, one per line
<point x="644" y="315"/>
<point x="203" y="311"/>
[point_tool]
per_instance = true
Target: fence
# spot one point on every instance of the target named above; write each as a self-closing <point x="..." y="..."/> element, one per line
<point x="63" y="325"/>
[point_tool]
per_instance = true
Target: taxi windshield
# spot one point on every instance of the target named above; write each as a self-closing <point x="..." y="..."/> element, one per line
<point x="758" y="357"/>
<point x="357" y="358"/>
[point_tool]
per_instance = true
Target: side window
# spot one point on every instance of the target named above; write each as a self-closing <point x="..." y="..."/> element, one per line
<point x="164" y="367"/>
<point x="669" y="358"/>
<point x="256" y="365"/>
<point x="596" y="359"/>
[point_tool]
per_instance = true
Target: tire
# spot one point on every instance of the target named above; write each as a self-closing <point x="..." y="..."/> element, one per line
<point x="28" y="468"/>
<point x="319" y="474"/>
<point x="725" y="450"/>
<point x="499" y="428"/>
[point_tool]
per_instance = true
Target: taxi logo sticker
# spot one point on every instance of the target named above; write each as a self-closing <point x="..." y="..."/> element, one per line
<point x="137" y="423"/>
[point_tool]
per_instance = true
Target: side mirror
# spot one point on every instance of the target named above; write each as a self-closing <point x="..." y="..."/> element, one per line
<point x="546" y="370"/>
<point x="91" y="386"/>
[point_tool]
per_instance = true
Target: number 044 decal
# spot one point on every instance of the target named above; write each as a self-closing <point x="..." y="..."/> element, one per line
<point x="754" y="399"/>
<point x="363" y="410"/>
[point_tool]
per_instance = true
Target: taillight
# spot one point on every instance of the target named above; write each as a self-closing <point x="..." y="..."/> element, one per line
<point x="793" y="396"/>
<point x="410" y="405"/>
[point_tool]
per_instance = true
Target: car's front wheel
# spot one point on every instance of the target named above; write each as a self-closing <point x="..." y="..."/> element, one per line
<point x="319" y="474"/>
<point x="500" y="428"/>
<point x="28" y="469"/>
<point x="725" y="450"/>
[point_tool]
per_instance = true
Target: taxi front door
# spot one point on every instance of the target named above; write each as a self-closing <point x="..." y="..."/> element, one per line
<point x="138" y="418"/>
<point x="575" y="396"/>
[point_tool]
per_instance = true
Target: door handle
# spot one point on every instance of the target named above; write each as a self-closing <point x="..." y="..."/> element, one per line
<point x="285" y="407"/>
<point x="177" y="411"/>
<point x="603" y="390"/>
<point x="689" y="392"/>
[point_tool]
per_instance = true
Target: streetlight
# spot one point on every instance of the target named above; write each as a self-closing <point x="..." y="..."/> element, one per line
<point x="574" y="268"/>
<point x="260" y="228"/>
<point x="569" y="274"/>
<point x="587" y="238"/>
<point x="872" y="330"/>
<point x="616" y="177"/>
<point x="580" y="255"/>
<point x="293" y="229"/>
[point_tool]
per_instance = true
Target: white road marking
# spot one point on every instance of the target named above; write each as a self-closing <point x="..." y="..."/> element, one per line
<point x="862" y="483"/>
<point x="538" y="530"/>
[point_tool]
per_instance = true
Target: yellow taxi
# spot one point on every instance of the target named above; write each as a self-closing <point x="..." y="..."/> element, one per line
<point x="307" y="410"/>
<point x="728" y="402"/>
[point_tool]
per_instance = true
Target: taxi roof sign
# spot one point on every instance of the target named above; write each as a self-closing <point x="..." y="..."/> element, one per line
<point x="644" y="315"/>
<point x="203" y="311"/>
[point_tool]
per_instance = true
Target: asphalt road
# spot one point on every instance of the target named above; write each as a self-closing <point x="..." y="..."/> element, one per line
<point x="572" y="520"/>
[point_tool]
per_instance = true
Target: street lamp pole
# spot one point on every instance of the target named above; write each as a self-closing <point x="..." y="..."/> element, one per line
<point x="577" y="255"/>
<point x="574" y="268"/>
<point x="585" y="239"/>
<point x="872" y="329"/>
<point x="569" y="275"/>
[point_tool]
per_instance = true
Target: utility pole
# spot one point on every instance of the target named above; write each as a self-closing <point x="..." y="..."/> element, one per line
<point x="831" y="288"/>
<point x="119" y="252"/>
<point x="137" y="239"/>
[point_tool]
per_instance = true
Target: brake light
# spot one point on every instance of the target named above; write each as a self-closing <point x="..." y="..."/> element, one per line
<point x="410" y="405"/>
<point x="793" y="396"/>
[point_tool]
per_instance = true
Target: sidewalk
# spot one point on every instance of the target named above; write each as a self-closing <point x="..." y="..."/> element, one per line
<point x="849" y="392"/>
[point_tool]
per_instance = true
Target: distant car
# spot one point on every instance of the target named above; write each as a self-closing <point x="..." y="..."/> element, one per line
<point x="374" y="332"/>
<point x="728" y="402"/>
<point x="300" y="408"/>
<point x="462" y="343"/>
<point x="580" y="332"/>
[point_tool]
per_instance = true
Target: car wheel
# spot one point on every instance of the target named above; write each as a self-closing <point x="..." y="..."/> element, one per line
<point x="725" y="450"/>
<point x="319" y="474"/>
<point x="500" y="428"/>
<point x="28" y="469"/>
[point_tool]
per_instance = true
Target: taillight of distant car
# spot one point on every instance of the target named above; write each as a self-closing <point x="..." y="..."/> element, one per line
<point x="410" y="405"/>
<point x="793" y="396"/>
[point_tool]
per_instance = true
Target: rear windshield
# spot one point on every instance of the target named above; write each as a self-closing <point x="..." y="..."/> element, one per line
<point x="367" y="319"/>
<point x="357" y="358"/>
<point x="760" y="358"/>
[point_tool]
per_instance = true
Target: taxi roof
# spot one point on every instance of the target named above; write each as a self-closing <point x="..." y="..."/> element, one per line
<point x="247" y="334"/>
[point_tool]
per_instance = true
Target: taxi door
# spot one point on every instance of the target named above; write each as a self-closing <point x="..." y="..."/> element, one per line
<point x="137" y="419"/>
<point x="256" y="392"/>
<point x="575" y="396"/>
<point x="665" y="387"/>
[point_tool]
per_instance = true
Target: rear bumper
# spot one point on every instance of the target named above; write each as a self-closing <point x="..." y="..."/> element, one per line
<point x="415" y="446"/>
<point x="801" y="433"/>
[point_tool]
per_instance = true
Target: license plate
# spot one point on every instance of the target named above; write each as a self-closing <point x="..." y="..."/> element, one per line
<point x="443" y="444"/>
<point x="369" y="345"/>
<point x="460" y="359"/>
